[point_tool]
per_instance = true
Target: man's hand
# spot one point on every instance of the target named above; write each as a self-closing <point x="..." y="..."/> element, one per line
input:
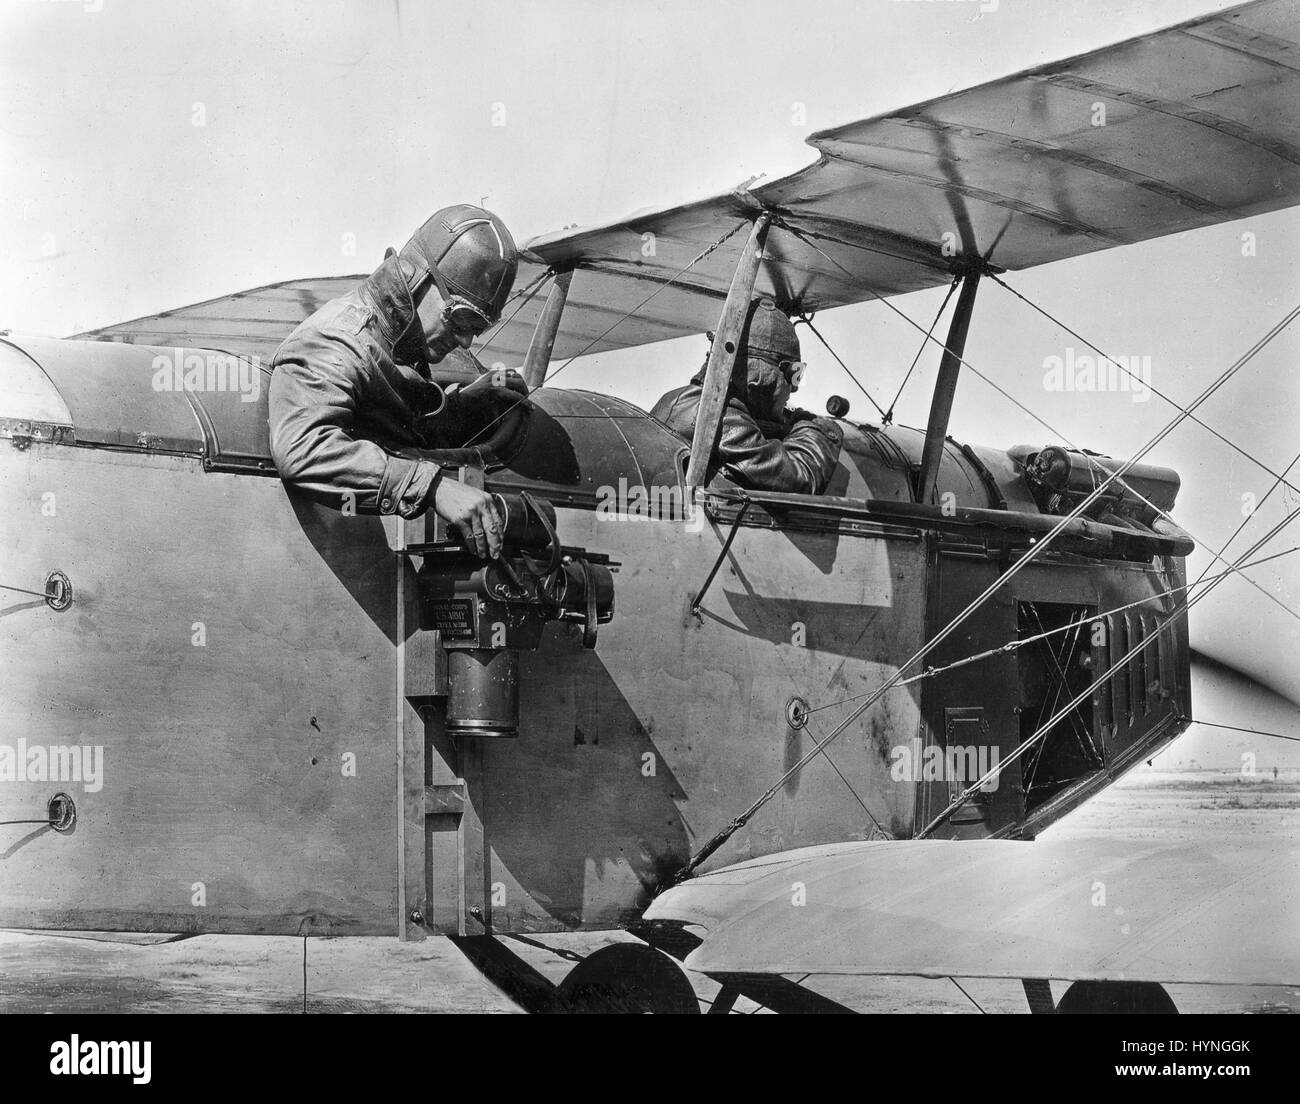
<point x="473" y="513"/>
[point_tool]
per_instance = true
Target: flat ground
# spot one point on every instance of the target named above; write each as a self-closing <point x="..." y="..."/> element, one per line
<point x="102" y="973"/>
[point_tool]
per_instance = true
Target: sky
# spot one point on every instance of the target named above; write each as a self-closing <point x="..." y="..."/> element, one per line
<point x="156" y="154"/>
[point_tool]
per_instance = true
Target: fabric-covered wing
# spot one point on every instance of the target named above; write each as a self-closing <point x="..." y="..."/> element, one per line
<point x="1195" y="913"/>
<point x="1178" y="129"/>
<point x="251" y="323"/>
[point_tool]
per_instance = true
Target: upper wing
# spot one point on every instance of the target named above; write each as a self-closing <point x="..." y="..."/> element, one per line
<point x="1096" y="909"/>
<point x="1177" y="129"/>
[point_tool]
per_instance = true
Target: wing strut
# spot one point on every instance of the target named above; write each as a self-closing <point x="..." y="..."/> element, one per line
<point x="538" y="359"/>
<point x="722" y="356"/>
<point x="945" y="387"/>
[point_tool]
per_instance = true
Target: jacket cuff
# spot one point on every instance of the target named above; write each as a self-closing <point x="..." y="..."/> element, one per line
<point x="407" y="486"/>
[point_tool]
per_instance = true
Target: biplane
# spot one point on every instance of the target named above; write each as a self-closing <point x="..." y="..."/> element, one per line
<point x="771" y="735"/>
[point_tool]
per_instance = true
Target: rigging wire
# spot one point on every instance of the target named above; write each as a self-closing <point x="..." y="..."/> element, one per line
<point x="1246" y="520"/>
<point x="1016" y="645"/>
<point x="1033" y="551"/>
<point x="1116" y="667"/>
<point x="22" y="590"/>
<point x="889" y="414"/>
<point x="1280" y="478"/>
<point x="1061" y="685"/>
<point x="734" y="825"/>
<point x="835" y="766"/>
<point x="1236" y="728"/>
<point x="1172" y="402"/>
<point x="1096" y="469"/>
<point x="619" y="321"/>
<point x="806" y="319"/>
<point x="1077" y="511"/>
<point x="667" y="283"/>
<point x="1046" y="425"/>
<point x="532" y="289"/>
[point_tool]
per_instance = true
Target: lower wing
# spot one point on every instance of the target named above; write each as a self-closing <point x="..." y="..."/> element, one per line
<point x="1092" y="909"/>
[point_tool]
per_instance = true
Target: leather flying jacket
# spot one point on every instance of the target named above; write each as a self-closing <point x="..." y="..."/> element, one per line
<point x="797" y="456"/>
<point x="350" y="392"/>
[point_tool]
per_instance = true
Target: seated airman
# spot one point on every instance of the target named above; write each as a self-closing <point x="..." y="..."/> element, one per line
<point x="762" y="444"/>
